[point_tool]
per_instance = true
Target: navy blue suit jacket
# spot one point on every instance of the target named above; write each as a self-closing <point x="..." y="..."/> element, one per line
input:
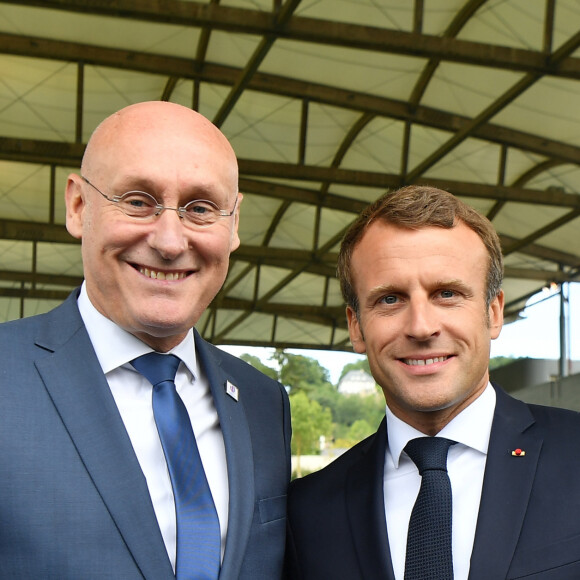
<point x="74" y="503"/>
<point x="529" y="517"/>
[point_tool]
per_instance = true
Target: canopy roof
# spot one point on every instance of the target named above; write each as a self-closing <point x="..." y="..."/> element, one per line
<point x="328" y="104"/>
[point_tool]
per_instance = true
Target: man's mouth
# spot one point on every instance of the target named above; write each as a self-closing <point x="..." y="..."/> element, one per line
<point x="159" y="275"/>
<point x="424" y="361"/>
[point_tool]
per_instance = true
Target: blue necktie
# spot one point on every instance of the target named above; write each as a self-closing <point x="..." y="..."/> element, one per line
<point x="198" y="530"/>
<point x="429" y="555"/>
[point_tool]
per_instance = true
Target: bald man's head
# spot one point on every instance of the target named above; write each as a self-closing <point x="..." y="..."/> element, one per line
<point x="154" y="277"/>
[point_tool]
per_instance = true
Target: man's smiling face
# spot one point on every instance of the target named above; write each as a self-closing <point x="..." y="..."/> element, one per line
<point x="154" y="277"/>
<point x="423" y="320"/>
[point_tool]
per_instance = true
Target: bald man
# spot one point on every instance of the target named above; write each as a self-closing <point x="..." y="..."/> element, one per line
<point x="85" y="488"/>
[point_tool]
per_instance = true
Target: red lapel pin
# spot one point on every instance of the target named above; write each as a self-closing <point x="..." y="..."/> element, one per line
<point x="518" y="452"/>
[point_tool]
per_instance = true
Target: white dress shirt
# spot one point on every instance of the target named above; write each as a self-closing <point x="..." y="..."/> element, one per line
<point x="115" y="348"/>
<point x="465" y="465"/>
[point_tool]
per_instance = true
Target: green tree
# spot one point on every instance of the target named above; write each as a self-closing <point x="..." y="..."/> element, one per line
<point x="300" y="373"/>
<point x="351" y="408"/>
<point x="327" y="397"/>
<point x="359" y="430"/>
<point x="500" y="361"/>
<point x="359" y="365"/>
<point x="309" y="422"/>
<point x="258" y="364"/>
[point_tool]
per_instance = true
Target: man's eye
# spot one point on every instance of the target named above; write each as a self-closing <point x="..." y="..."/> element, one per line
<point x="447" y="293"/>
<point x="134" y="202"/>
<point x="200" y="208"/>
<point x="389" y="299"/>
<point x="137" y="202"/>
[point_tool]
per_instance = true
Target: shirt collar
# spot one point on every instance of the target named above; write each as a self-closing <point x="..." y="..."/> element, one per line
<point x="472" y="427"/>
<point x="116" y="347"/>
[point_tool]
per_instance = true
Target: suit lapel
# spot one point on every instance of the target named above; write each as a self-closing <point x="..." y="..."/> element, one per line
<point x="239" y="458"/>
<point x="86" y="406"/>
<point x="506" y="489"/>
<point x="366" y="509"/>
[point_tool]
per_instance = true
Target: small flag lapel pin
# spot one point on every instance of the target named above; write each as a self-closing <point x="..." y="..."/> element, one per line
<point x="232" y="390"/>
<point x="518" y="452"/>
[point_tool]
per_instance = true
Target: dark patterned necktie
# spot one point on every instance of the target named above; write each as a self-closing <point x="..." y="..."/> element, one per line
<point x="429" y="540"/>
<point x="198" y="530"/>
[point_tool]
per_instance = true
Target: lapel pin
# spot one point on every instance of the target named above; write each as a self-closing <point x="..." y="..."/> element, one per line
<point x="232" y="390"/>
<point x="518" y="452"/>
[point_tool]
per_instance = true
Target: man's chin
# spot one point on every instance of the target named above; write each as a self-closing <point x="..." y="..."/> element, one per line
<point x="161" y="327"/>
<point x="161" y="339"/>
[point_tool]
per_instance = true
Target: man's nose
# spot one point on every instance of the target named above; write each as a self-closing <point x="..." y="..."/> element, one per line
<point x="169" y="236"/>
<point x="424" y="320"/>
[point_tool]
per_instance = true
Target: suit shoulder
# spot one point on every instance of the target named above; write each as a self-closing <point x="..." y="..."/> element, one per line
<point x="21" y="324"/>
<point x="49" y="324"/>
<point x="241" y="371"/>
<point x="551" y="420"/>
<point x="555" y="419"/>
<point x="14" y="331"/>
<point x="332" y="476"/>
<point x="235" y="364"/>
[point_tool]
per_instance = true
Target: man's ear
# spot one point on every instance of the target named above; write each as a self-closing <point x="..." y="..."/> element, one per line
<point x="496" y="315"/>
<point x="235" y="239"/>
<point x="354" y="330"/>
<point x="75" y="205"/>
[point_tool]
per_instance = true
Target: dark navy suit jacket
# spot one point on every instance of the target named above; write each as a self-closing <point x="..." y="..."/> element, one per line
<point x="529" y="517"/>
<point x="74" y="503"/>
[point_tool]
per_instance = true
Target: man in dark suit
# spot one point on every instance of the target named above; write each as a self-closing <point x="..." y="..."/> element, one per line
<point x="85" y="491"/>
<point x="421" y="275"/>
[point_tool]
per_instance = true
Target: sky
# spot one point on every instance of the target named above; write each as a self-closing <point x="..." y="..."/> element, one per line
<point x="536" y="335"/>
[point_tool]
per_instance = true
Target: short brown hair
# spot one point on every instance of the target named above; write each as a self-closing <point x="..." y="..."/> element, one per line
<point x="416" y="207"/>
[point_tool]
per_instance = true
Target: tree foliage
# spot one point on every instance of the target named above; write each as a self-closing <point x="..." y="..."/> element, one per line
<point x="309" y="422"/>
<point x="327" y="396"/>
<point x="300" y="373"/>
<point x="360" y="365"/>
<point x="500" y="361"/>
<point x="258" y="364"/>
<point x="350" y="408"/>
<point x="316" y="405"/>
<point x="360" y="430"/>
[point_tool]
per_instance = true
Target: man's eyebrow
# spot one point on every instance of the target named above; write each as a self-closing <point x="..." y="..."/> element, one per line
<point x="383" y="289"/>
<point x="151" y="186"/>
<point x="454" y="282"/>
<point x="440" y="283"/>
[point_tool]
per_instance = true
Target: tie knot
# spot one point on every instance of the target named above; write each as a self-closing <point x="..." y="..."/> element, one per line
<point x="429" y="452"/>
<point x="157" y="367"/>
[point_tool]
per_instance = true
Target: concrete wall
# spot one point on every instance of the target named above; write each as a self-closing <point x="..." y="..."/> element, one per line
<point x="559" y="393"/>
<point x="528" y="372"/>
<point x="532" y="380"/>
